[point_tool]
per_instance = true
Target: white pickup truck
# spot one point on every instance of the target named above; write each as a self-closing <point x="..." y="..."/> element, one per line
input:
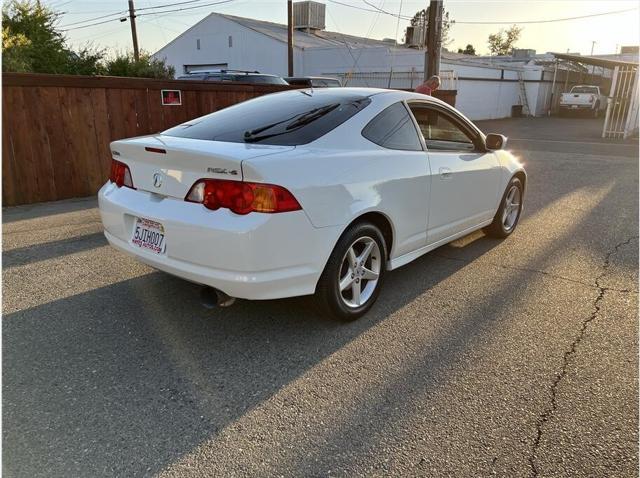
<point x="583" y="98"/>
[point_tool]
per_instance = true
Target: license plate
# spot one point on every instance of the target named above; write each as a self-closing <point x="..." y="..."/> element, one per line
<point x="574" y="107"/>
<point x="149" y="235"/>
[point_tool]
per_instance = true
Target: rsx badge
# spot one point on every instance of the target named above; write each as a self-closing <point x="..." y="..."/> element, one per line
<point x="233" y="172"/>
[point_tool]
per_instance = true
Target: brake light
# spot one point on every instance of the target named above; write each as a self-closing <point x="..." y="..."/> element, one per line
<point x="120" y="174"/>
<point x="242" y="197"/>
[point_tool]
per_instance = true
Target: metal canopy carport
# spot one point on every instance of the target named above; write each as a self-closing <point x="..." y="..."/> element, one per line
<point x="621" y="119"/>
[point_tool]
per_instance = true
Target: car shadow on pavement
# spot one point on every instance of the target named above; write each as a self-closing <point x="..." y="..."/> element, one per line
<point x="40" y="210"/>
<point x="125" y="379"/>
<point x="416" y="383"/>
<point x="41" y="252"/>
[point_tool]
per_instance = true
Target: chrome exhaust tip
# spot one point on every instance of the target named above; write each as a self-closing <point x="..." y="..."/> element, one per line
<point x="212" y="298"/>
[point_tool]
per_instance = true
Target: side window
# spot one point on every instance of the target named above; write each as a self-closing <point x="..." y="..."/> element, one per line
<point x="440" y="131"/>
<point x="393" y="129"/>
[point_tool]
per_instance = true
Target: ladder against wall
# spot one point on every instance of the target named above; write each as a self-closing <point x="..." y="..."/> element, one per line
<point x="526" y="111"/>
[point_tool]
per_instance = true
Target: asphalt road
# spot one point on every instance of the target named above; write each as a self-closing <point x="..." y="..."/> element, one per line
<point x="483" y="358"/>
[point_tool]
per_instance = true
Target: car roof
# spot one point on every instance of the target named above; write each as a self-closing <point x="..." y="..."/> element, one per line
<point x="349" y="91"/>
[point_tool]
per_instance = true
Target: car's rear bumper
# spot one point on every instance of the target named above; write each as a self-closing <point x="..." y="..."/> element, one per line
<point x="256" y="256"/>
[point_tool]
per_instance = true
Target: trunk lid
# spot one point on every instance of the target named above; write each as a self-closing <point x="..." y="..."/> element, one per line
<point x="169" y="166"/>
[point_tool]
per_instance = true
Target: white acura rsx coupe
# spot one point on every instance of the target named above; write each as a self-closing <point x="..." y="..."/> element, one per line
<point x="309" y="191"/>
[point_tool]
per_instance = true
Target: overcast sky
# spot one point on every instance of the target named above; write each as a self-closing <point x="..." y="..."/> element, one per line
<point x="155" y="30"/>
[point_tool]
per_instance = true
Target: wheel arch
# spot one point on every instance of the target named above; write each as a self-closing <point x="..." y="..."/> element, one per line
<point x="382" y="222"/>
<point x="522" y="176"/>
<point x="378" y="219"/>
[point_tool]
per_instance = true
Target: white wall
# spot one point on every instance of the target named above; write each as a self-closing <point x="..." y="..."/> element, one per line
<point x="482" y="91"/>
<point x="250" y="50"/>
<point x="486" y="96"/>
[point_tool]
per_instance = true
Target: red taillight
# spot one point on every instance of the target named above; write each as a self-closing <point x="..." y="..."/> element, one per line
<point x="242" y="197"/>
<point x="120" y="174"/>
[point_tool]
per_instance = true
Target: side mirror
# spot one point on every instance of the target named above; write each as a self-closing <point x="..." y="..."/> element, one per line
<point x="495" y="141"/>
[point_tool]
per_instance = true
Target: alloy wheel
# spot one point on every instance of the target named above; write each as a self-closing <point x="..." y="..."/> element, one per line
<point x="359" y="272"/>
<point x="511" y="208"/>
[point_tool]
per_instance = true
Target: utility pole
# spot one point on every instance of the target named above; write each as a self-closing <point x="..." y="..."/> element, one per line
<point x="289" y="36"/>
<point x="134" y="34"/>
<point x="434" y="39"/>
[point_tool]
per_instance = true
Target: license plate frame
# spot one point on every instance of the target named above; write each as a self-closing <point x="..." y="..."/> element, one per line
<point x="149" y="236"/>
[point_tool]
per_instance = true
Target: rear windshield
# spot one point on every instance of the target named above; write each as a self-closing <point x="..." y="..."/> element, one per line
<point x="290" y="118"/>
<point x="585" y="89"/>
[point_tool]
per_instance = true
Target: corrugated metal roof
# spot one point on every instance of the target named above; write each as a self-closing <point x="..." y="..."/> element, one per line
<point x="597" y="61"/>
<point x="301" y="39"/>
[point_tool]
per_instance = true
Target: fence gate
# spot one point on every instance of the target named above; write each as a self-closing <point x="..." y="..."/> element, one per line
<point x="622" y="109"/>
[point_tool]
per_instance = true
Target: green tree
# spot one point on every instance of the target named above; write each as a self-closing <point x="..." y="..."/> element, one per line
<point x="31" y="42"/>
<point x="34" y="44"/>
<point x="468" y="50"/>
<point x="146" y="67"/>
<point x="502" y="43"/>
<point x="421" y="19"/>
<point x="14" y="47"/>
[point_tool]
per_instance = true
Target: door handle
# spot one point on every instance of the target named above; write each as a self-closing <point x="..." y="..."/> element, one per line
<point x="445" y="173"/>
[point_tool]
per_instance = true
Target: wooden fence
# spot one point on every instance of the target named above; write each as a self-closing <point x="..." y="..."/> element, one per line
<point x="56" y="129"/>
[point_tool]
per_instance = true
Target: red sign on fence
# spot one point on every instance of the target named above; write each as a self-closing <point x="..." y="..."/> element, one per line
<point x="171" y="97"/>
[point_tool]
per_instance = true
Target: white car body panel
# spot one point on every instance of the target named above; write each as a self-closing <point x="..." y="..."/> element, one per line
<point x="336" y="179"/>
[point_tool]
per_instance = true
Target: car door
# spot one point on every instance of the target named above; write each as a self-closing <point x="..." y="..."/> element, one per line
<point x="400" y="175"/>
<point x="465" y="176"/>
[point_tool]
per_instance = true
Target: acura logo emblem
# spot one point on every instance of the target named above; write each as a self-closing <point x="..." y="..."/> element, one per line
<point x="157" y="180"/>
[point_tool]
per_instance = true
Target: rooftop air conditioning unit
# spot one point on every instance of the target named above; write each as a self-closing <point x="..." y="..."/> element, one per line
<point x="415" y="37"/>
<point x="522" y="53"/>
<point x="309" y="15"/>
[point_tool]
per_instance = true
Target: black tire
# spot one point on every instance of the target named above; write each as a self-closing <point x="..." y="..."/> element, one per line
<point x="328" y="295"/>
<point x="596" y="110"/>
<point x="498" y="228"/>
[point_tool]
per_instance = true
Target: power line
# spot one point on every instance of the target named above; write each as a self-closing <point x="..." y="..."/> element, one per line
<point x="168" y="5"/>
<point x="90" y="25"/>
<point x="65" y="29"/>
<point x="547" y="21"/>
<point x="93" y="19"/>
<point x="188" y="8"/>
<point x="377" y="9"/>
<point x="398" y="16"/>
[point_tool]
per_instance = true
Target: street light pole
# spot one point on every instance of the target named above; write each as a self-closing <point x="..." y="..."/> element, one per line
<point x="134" y="33"/>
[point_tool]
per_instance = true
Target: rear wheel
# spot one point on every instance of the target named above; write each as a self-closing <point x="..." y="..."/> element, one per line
<point x="351" y="280"/>
<point x="508" y="215"/>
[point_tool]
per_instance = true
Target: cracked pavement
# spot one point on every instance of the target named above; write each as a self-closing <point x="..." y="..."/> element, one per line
<point x="515" y="358"/>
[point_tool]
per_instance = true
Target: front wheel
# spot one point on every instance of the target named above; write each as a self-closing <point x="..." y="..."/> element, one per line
<point x="351" y="280"/>
<point x="508" y="215"/>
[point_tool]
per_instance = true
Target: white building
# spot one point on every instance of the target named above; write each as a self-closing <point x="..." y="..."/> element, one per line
<point x="486" y="88"/>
